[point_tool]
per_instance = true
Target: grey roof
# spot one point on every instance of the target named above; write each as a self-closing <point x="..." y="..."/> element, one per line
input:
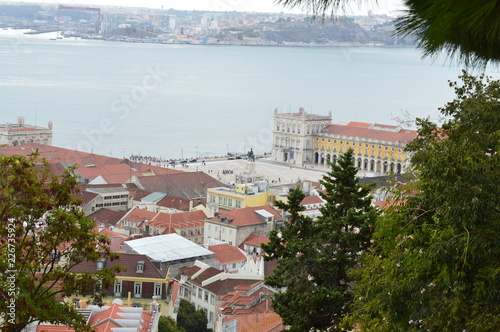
<point x="154" y="197"/>
<point x="165" y="248"/>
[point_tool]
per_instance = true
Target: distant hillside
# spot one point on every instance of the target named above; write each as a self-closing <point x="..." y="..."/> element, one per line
<point x="315" y="31"/>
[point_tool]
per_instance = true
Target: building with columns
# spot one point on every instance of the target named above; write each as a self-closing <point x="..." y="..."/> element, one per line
<point x="21" y="133"/>
<point x="309" y="139"/>
<point x="293" y="135"/>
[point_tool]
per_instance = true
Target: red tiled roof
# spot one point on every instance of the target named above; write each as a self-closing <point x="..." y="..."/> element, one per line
<point x="311" y="200"/>
<point x="191" y="185"/>
<point x="91" y="172"/>
<point x="255" y="240"/>
<point x="178" y="203"/>
<point x="137" y="194"/>
<point x="179" y="220"/>
<point x="138" y="215"/>
<point x="358" y="124"/>
<point x="225" y="253"/>
<point x="222" y="287"/>
<point x="85" y="196"/>
<point x="246" y="216"/>
<point x="55" y="154"/>
<point x="402" y="136"/>
<point x="107" y="216"/>
<point x="110" y="318"/>
<point x="257" y="317"/>
<point x="265" y="322"/>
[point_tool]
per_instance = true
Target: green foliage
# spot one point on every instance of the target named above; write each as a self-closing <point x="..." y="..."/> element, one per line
<point x="190" y="319"/>
<point x="43" y="234"/>
<point x="314" y="256"/>
<point x="168" y="324"/>
<point x="470" y="29"/>
<point x="434" y="265"/>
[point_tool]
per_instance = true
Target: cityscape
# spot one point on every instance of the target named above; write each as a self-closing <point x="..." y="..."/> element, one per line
<point x="171" y="26"/>
<point x="305" y="224"/>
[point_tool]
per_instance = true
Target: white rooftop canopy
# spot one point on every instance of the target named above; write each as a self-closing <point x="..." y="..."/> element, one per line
<point x="165" y="248"/>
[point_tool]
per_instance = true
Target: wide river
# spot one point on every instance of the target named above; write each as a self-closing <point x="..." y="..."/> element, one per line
<point x="173" y="101"/>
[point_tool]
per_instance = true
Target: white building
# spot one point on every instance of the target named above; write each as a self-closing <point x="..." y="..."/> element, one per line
<point x="21" y="133"/>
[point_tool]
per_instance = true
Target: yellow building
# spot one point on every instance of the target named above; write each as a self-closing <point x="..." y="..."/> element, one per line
<point x="135" y="287"/>
<point x="249" y="190"/>
<point x="378" y="148"/>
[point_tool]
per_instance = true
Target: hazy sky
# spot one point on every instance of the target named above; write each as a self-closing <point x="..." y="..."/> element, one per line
<point x="383" y="7"/>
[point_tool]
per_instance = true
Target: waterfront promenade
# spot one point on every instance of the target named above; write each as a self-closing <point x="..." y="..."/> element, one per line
<point x="225" y="170"/>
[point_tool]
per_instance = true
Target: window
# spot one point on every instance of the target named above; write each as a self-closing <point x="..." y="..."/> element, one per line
<point x="140" y="267"/>
<point x="234" y="265"/>
<point x="118" y="289"/>
<point x="200" y="293"/>
<point x="157" y="289"/>
<point x="206" y="296"/>
<point x="181" y="290"/>
<point x="212" y="298"/>
<point x="211" y="319"/>
<point x="230" y="203"/>
<point x="137" y="289"/>
<point x="186" y="292"/>
<point x="194" y="290"/>
<point x="238" y="204"/>
<point x="230" y="243"/>
<point x="225" y="201"/>
<point x="220" y="200"/>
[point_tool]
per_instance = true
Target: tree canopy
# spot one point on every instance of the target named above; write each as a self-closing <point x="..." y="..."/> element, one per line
<point x="468" y="29"/>
<point x="44" y="233"/>
<point x="190" y="319"/>
<point x="434" y="264"/>
<point x="168" y="324"/>
<point x="314" y="256"/>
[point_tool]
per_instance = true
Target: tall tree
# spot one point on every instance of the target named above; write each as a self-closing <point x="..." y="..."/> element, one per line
<point x="43" y="234"/>
<point x="293" y="245"/>
<point x="434" y="264"/>
<point x="168" y="324"/>
<point x="469" y="29"/>
<point x="315" y="256"/>
<point x="190" y="319"/>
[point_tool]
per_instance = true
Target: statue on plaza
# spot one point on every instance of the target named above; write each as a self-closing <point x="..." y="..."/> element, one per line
<point x="251" y="156"/>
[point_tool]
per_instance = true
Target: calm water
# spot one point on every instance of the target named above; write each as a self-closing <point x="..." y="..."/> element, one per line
<point x="120" y="99"/>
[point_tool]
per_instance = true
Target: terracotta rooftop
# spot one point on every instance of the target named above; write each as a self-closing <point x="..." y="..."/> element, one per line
<point x="251" y="307"/>
<point x="311" y="200"/>
<point x="117" y="315"/>
<point x="107" y="216"/>
<point x="222" y="287"/>
<point x="91" y="172"/>
<point x="401" y="136"/>
<point x="178" y="220"/>
<point x="55" y="154"/>
<point x="245" y="216"/>
<point x="190" y="185"/>
<point x="255" y="240"/>
<point x="225" y="253"/>
<point x="138" y="215"/>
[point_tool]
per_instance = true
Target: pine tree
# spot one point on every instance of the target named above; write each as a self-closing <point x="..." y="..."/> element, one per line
<point x="434" y="264"/>
<point x="315" y="256"/>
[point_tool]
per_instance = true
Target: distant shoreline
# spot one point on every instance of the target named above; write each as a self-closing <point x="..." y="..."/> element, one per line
<point x="153" y="41"/>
